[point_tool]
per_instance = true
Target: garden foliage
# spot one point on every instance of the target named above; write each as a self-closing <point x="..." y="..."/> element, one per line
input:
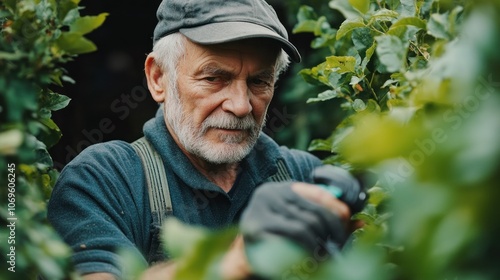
<point x="419" y="82"/>
<point x="37" y="38"/>
<point x="419" y="86"/>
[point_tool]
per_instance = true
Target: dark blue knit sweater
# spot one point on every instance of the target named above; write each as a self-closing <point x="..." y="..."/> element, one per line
<point x="100" y="202"/>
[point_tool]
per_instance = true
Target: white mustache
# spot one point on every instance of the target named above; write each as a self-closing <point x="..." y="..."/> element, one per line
<point x="229" y="122"/>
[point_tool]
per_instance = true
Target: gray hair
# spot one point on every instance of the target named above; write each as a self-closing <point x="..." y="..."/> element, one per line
<point x="170" y="48"/>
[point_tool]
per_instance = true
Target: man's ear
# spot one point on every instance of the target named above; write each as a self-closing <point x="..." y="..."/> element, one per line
<point x="156" y="79"/>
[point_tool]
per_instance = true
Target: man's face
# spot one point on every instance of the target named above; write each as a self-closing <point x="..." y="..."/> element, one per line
<point x="223" y="94"/>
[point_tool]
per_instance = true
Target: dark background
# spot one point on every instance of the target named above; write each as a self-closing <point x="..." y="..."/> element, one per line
<point x="110" y="99"/>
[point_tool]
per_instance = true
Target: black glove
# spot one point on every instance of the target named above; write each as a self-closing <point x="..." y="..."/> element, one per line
<point x="275" y="209"/>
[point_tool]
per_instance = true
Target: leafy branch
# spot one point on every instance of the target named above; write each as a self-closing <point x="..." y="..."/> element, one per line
<point x="37" y="38"/>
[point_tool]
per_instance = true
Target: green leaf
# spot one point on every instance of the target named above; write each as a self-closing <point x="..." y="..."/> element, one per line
<point x="324" y="96"/>
<point x="407" y="28"/>
<point x="4" y="13"/>
<point x="358" y="105"/>
<point x="365" y="217"/>
<point x="45" y="113"/>
<point x="343" y="130"/>
<point x="305" y="26"/>
<point x="306" y="13"/>
<point x="426" y="6"/>
<point x="75" y="43"/>
<point x="368" y="262"/>
<point x="87" y="24"/>
<point x="10" y="140"/>
<point x="415" y="21"/>
<point x="323" y="41"/>
<point x="68" y="12"/>
<point x="372" y="106"/>
<point x="43" y="158"/>
<point x="369" y="53"/>
<point x="393" y="4"/>
<point x="404" y="32"/>
<point x="376" y="138"/>
<point x="20" y="96"/>
<point x="345" y="8"/>
<point x="50" y="134"/>
<point x="437" y="26"/>
<point x="334" y="79"/>
<point x="408" y="8"/>
<point x="362" y="6"/>
<point x="355" y="80"/>
<point x="389" y="82"/>
<point x="384" y="15"/>
<point x="68" y="79"/>
<point x="310" y="75"/>
<point x="323" y="28"/>
<point x="132" y="263"/>
<point x="377" y="195"/>
<point x="44" y="10"/>
<point x="179" y="238"/>
<point x="362" y="39"/>
<point x="391" y="51"/>
<point x="345" y="64"/>
<point x="348" y="26"/>
<point x="196" y="247"/>
<point x="274" y="255"/>
<point x="455" y="232"/>
<point x="48" y="266"/>
<point x="453" y="18"/>
<point x="56" y="78"/>
<point x="333" y="159"/>
<point x="56" y="101"/>
<point x="307" y="20"/>
<point x="320" y="145"/>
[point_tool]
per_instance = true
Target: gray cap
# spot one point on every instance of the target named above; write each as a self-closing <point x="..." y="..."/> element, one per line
<point x="219" y="21"/>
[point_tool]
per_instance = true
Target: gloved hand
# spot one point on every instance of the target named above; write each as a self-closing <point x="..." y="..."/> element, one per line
<point x="288" y="222"/>
<point x="278" y="209"/>
<point x="316" y="217"/>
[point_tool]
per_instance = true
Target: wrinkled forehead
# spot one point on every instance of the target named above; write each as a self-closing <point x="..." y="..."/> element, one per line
<point x="262" y="50"/>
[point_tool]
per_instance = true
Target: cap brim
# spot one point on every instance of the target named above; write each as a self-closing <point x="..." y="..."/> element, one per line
<point x="223" y="32"/>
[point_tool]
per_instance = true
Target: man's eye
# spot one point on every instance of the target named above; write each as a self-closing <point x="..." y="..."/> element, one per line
<point x="259" y="82"/>
<point x="212" y="79"/>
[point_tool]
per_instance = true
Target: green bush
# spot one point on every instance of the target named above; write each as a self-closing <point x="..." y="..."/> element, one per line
<point x="419" y="82"/>
<point x="417" y="87"/>
<point x="38" y="37"/>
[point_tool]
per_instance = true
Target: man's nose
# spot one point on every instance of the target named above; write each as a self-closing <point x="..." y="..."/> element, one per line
<point x="237" y="101"/>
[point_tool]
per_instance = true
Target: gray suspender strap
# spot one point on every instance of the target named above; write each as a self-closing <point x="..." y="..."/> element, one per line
<point x="156" y="178"/>
<point x="159" y="195"/>
<point x="282" y="175"/>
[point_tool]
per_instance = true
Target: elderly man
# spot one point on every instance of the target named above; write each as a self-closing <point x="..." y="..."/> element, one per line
<point x="213" y="66"/>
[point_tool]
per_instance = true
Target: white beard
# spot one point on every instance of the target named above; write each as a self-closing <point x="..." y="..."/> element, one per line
<point x="229" y="149"/>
